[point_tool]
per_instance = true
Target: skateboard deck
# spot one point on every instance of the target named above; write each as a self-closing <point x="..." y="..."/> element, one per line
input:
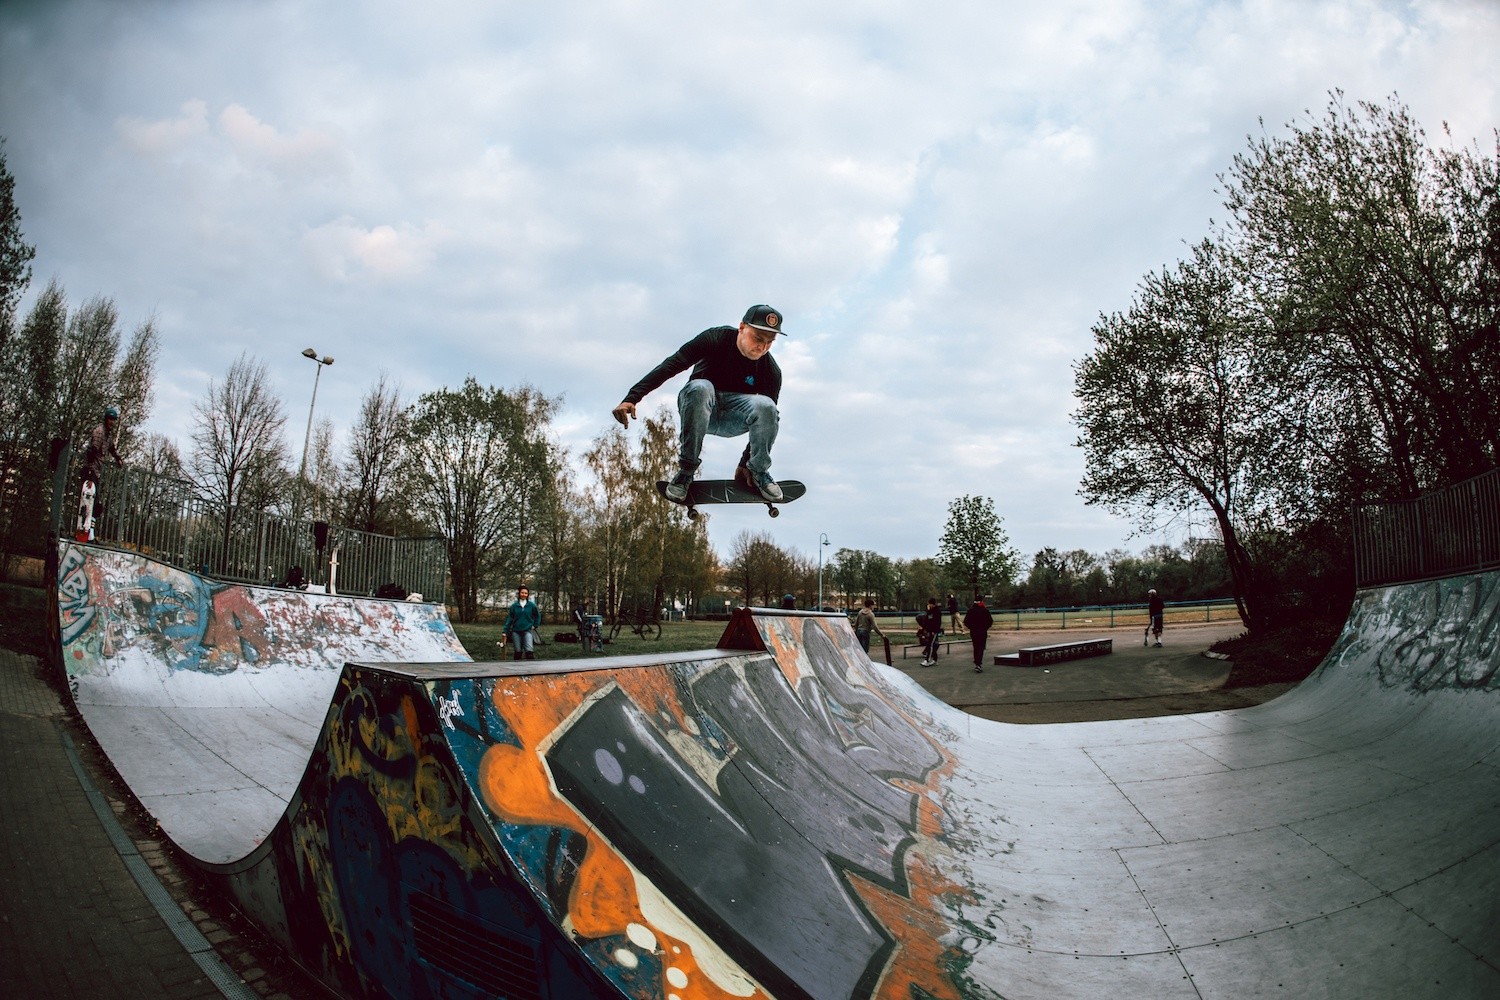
<point x="711" y="491"/>
<point x="84" y="530"/>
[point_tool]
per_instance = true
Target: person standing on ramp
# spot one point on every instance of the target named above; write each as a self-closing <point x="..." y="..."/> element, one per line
<point x="733" y="389"/>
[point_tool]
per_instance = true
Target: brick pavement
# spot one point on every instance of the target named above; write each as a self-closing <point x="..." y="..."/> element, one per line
<point x="74" y="919"/>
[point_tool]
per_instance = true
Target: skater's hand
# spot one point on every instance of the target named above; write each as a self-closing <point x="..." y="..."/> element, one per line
<point x="623" y="413"/>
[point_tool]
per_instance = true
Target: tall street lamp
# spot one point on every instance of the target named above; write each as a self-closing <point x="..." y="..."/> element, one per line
<point x="307" y="438"/>
<point x="822" y="544"/>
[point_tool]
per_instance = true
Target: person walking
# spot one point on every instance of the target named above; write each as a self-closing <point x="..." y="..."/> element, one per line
<point x="521" y="625"/>
<point x="929" y="630"/>
<point x="733" y="389"/>
<point x="953" y="612"/>
<point x="864" y="624"/>
<point x="1156" y="609"/>
<point x="978" y="621"/>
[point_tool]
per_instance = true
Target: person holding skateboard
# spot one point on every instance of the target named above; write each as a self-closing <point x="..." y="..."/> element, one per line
<point x="733" y="389"/>
<point x="102" y="444"/>
<point x="864" y="624"/>
<point x="1155" y="609"/>
<point x="930" y="631"/>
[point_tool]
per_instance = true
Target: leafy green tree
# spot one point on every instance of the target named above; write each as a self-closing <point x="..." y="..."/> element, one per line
<point x="924" y="579"/>
<point x="57" y="373"/>
<point x="1377" y="259"/>
<point x="16" y="254"/>
<point x="974" y="546"/>
<point x="479" y="460"/>
<point x="1180" y="408"/>
<point x="847" y="571"/>
<point x="862" y="573"/>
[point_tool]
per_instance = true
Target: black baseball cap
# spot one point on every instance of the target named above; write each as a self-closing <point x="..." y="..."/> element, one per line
<point x="763" y="317"/>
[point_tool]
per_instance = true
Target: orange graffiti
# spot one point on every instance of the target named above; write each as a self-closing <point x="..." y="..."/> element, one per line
<point x="516" y="785"/>
<point x="916" y="963"/>
<point x="234" y="622"/>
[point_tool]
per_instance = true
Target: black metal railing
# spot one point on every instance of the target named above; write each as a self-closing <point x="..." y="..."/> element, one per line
<point x="1442" y="533"/>
<point x="165" y="518"/>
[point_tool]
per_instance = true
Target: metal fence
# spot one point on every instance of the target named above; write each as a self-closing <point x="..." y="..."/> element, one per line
<point x="166" y="519"/>
<point x="1441" y="533"/>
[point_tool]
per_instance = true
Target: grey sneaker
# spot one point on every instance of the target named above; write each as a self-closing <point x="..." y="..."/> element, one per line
<point x="677" y="489"/>
<point x="766" y="486"/>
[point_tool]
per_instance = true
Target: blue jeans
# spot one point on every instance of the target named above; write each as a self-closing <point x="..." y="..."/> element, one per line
<point x="704" y="410"/>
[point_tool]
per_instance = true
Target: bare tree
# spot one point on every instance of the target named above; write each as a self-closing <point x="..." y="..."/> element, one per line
<point x="371" y="497"/>
<point x="614" y="500"/>
<point x="760" y="569"/>
<point x="240" y="457"/>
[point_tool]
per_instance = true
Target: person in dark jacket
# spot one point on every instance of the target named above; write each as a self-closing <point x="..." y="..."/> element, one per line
<point x="930" y="629"/>
<point x="978" y="621"/>
<point x="521" y="625"/>
<point x="1156" y="609"/>
<point x="733" y="389"/>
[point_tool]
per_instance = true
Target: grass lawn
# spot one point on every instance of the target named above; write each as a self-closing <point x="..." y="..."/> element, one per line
<point x="1285" y="653"/>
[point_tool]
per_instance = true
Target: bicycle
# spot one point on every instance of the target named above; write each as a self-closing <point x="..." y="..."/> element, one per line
<point x="642" y="623"/>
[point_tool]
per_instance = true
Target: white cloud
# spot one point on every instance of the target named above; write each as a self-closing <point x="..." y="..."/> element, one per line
<point x="257" y="141"/>
<point x="941" y="197"/>
<point x="166" y="136"/>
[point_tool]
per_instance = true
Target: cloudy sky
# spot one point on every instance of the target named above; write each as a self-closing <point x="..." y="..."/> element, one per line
<point x="941" y="196"/>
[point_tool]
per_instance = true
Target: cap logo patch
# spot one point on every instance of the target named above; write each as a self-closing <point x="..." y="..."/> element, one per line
<point x="772" y="320"/>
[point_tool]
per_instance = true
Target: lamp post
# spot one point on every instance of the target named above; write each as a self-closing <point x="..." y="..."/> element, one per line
<point x="822" y="544"/>
<point x="307" y="438"/>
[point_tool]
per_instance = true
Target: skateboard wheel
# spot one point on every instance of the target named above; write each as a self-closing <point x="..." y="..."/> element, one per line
<point x="775" y="512"/>
<point x="692" y="513"/>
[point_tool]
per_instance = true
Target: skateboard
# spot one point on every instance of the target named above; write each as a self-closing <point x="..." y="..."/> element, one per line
<point x="84" y="530"/>
<point x="712" y="491"/>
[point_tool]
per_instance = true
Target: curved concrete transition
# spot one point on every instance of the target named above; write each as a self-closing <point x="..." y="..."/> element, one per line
<point x="782" y="818"/>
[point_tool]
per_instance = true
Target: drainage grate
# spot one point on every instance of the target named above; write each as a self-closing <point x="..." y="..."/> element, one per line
<point x="465" y="947"/>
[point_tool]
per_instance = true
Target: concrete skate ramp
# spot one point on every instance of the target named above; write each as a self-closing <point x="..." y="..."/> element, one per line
<point x="783" y="818"/>
<point x="208" y="696"/>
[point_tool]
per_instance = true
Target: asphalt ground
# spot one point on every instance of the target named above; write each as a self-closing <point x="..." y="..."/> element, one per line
<point x="92" y="902"/>
<point x="1132" y="681"/>
<point x="95" y="903"/>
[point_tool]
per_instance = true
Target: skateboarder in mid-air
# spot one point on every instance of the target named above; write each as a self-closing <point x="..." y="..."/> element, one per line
<point x="733" y="390"/>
